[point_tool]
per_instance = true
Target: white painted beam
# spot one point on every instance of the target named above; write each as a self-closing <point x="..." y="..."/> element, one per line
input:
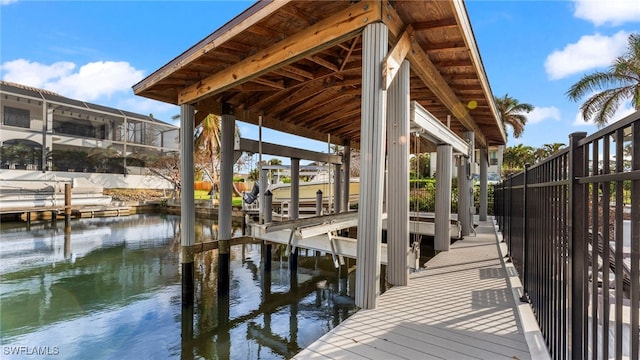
<point x="432" y="129"/>
<point x="253" y="146"/>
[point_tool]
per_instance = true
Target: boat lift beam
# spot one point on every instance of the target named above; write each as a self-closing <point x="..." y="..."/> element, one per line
<point x="252" y="146"/>
<point x="429" y="127"/>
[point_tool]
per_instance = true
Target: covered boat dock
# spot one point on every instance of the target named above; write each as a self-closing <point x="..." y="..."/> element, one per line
<point x="351" y="73"/>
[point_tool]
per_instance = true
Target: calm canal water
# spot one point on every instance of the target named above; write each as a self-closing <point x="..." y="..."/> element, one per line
<point x="112" y="290"/>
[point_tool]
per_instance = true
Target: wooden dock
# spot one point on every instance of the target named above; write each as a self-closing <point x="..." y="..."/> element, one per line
<point x="463" y="306"/>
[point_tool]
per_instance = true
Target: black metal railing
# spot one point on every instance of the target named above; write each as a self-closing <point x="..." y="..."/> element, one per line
<point x="572" y="227"/>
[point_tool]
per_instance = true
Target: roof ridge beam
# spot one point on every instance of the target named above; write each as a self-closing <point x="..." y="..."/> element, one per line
<point x="313" y="39"/>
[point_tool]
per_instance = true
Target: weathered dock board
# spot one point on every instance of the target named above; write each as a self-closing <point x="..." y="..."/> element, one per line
<point x="461" y="307"/>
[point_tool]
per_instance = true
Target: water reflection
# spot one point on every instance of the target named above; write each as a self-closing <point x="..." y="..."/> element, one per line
<point x="117" y="294"/>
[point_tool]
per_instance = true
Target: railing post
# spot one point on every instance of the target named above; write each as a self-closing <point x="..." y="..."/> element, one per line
<point x="525" y="285"/>
<point x="578" y="210"/>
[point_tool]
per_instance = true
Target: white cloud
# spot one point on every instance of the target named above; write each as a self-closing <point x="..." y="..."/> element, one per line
<point x="622" y="112"/>
<point x="590" y="52"/>
<point x="7" y="2"/>
<point x="614" y="12"/>
<point x="90" y="82"/>
<point x="543" y="113"/>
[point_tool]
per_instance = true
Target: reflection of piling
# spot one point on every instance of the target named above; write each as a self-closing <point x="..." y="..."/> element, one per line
<point x="223" y="341"/>
<point x="187" y="329"/>
<point x="266" y="255"/>
<point x="224" y="258"/>
<point x="67" y="205"/>
<point x="67" y="240"/>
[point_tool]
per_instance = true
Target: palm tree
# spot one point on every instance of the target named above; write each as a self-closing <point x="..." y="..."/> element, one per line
<point x="513" y="112"/>
<point x="547" y="150"/>
<point x="619" y="83"/>
<point x="515" y="157"/>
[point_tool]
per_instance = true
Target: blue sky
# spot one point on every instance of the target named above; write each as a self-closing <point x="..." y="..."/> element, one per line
<point x="96" y="50"/>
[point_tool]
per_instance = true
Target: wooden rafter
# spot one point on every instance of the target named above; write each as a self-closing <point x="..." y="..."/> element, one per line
<point x="308" y="41"/>
<point x="349" y="51"/>
<point x="324" y="63"/>
<point x="309" y="92"/>
<point x="435" y="24"/>
<point x="274" y="84"/>
<point x="210" y="43"/>
<point x="428" y="72"/>
<point x="422" y="65"/>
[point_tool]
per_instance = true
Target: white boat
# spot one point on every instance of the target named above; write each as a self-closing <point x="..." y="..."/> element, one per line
<point x="307" y="193"/>
<point x="23" y="194"/>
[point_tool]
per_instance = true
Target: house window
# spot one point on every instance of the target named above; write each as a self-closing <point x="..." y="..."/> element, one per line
<point x="493" y="158"/>
<point x="16" y="117"/>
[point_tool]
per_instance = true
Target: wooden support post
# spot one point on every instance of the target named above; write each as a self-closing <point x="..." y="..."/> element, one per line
<point x="67" y="205"/>
<point x="484" y="198"/>
<point x="187" y="202"/>
<point x="398" y="177"/>
<point x="227" y="127"/>
<point x="442" y="240"/>
<point x="373" y="128"/>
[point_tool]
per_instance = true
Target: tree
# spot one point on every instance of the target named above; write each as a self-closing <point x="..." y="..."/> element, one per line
<point x="515" y="157"/>
<point x="547" y="150"/>
<point x="621" y="82"/>
<point x="512" y="112"/>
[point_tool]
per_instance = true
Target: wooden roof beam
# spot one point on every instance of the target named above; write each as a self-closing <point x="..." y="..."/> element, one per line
<point x="313" y="39"/>
<point x="295" y="70"/>
<point x="435" y="24"/>
<point x="391" y="63"/>
<point x="429" y="74"/>
<point x="422" y="66"/>
<point x="236" y="26"/>
<point x="349" y="51"/>
<point x="446" y="46"/>
<point x="209" y="106"/>
<point x="290" y="75"/>
<point x="324" y="63"/>
<point x="274" y="84"/>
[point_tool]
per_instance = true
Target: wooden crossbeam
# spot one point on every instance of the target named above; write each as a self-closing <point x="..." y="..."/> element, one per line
<point x="313" y="39"/>
<point x="395" y="57"/>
